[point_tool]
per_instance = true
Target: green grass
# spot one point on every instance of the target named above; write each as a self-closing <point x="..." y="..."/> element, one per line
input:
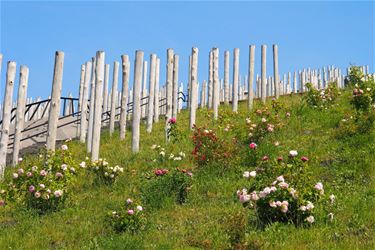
<point x="212" y="218"/>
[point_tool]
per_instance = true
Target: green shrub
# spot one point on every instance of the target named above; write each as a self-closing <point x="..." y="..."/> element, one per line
<point x="44" y="184"/>
<point x="321" y="99"/>
<point x="129" y="218"/>
<point x="162" y="185"/>
<point x="104" y="173"/>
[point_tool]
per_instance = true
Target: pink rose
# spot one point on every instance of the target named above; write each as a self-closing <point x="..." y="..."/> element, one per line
<point x="43" y="173"/>
<point x="31" y="189"/>
<point x="20" y="171"/>
<point x="253" y="145"/>
<point x="172" y="120"/>
<point x="37" y="195"/>
<point x="265" y="158"/>
<point x="130" y="211"/>
<point x="304" y="158"/>
<point x="15" y="175"/>
<point x="2" y="203"/>
<point x="129" y="201"/>
<point x="29" y="174"/>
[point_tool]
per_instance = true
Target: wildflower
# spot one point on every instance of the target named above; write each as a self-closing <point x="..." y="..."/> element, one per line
<point x="279" y="158"/>
<point x="29" y="174"/>
<point x="270" y="129"/>
<point x="287" y="114"/>
<point x="302" y="208"/>
<point x="276" y="143"/>
<point x="37" y="195"/>
<point x="20" y="171"/>
<point x="58" y="193"/>
<point x="310" y="219"/>
<point x="278" y="203"/>
<point x="139" y="208"/>
<point x="254" y="196"/>
<point x="82" y="164"/>
<point x="172" y="120"/>
<point x="293" y="153"/>
<point x="64" y="147"/>
<point x="34" y="168"/>
<point x="284" y="206"/>
<point x="42" y="186"/>
<point x="304" y="158"/>
<point x="332" y="198"/>
<point x="15" y="175"/>
<point x="319" y="186"/>
<point x="293" y="193"/>
<point x="252" y="145"/>
<point x="112" y="176"/>
<point x="129" y="201"/>
<point x="272" y="204"/>
<point x="264" y="120"/>
<point x="2" y="203"/>
<point x="246" y="174"/>
<point x="59" y="175"/>
<point x="273" y="189"/>
<point x="283" y="185"/>
<point x="265" y="158"/>
<point x="309" y="206"/>
<point x="162" y="153"/>
<point x="31" y="189"/>
<point x="253" y="173"/>
<point x="280" y="178"/>
<point x="153" y="146"/>
<point x="182" y="154"/>
<point x="330" y="216"/>
<point x="245" y="198"/>
<point x="64" y="167"/>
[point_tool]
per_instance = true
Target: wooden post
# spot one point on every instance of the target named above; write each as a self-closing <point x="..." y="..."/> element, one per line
<point x="99" y="76"/>
<point x="7" y="109"/>
<point x="105" y="90"/>
<point x="151" y="101"/>
<point x="114" y="96"/>
<point x="276" y="70"/>
<point x="144" y="90"/>
<point x="226" y="77"/>
<point x="216" y="84"/>
<point x="175" y="86"/>
<point x="91" y="111"/>
<point x="85" y="96"/>
<point x="236" y="66"/>
<point x="136" y="100"/>
<point x="203" y="94"/>
<point x="210" y="70"/>
<point x="251" y="77"/>
<point x="194" y="83"/>
<point x="22" y="92"/>
<point x="156" y="99"/>
<point x="169" y="85"/>
<point x="55" y="100"/>
<point x="124" y="95"/>
<point x="263" y="73"/>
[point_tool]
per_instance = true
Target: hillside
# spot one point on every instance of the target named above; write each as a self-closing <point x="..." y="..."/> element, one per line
<point x="212" y="217"/>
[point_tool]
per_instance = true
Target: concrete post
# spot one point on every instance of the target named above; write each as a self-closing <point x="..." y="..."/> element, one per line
<point x="91" y="111"/>
<point x="210" y="70"/>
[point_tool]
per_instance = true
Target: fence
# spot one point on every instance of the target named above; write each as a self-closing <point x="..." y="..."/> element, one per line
<point x="95" y="106"/>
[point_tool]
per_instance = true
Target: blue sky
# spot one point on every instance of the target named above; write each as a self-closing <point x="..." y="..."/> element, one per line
<point x="309" y="34"/>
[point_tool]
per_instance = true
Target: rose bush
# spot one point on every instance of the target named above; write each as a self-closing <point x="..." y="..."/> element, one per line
<point x="129" y="218"/>
<point x="281" y="190"/>
<point x="104" y="172"/>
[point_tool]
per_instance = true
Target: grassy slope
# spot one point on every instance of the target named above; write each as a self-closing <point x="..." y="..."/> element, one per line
<point x="212" y="218"/>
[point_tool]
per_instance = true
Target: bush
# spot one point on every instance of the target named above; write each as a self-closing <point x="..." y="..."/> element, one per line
<point x="104" y="173"/>
<point x="321" y="99"/>
<point x="130" y="218"/>
<point x="282" y="191"/>
<point x="162" y="185"/>
<point x="363" y="97"/>
<point x="43" y="185"/>
<point x="357" y="123"/>
<point x="209" y="149"/>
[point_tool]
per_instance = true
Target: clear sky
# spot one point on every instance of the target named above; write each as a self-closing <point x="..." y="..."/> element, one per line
<point x="309" y="34"/>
